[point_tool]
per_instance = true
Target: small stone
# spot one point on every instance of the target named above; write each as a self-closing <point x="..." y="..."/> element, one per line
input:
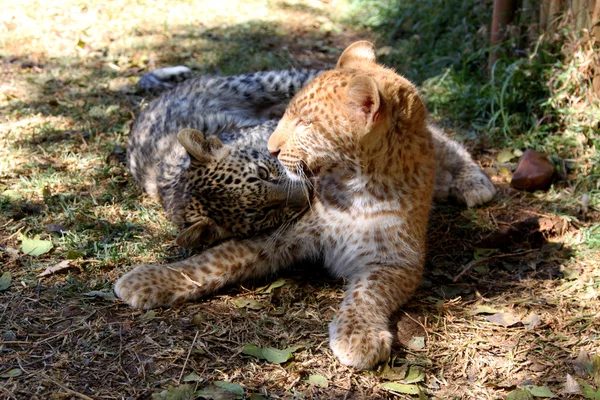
<point x="534" y="172"/>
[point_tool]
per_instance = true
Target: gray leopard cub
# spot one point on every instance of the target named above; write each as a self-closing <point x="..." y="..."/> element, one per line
<point x="201" y="149"/>
<point x="216" y="179"/>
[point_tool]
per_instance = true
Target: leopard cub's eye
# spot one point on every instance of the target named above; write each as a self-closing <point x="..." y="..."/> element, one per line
<point x="263" y="173"/>
<point x="300" y="123"/>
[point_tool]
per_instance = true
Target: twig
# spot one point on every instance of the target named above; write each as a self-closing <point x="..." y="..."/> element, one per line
<point x="66" y="389"/>
<point x="186" y="276"/>
<point x="477" y="262"/>
<point x="188" y="357"/>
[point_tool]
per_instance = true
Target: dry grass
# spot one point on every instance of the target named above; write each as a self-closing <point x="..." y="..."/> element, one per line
<point x="67" y="97"/>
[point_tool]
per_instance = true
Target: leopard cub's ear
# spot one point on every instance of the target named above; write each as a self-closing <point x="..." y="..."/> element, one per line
<point x="197" y="145"/>
<point x="363" y="101"/>
<point x="204" y="232"/>
<point x="357" y="53"/>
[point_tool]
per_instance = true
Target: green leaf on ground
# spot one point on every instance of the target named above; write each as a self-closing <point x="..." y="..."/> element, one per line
<point x="192" y="377"/>
<point x="415" y="374"/>
<point x="269" y="288"/>
<point x="318" y="380"/>
<point x="596" y="369"/>
<point x="12" y="195"/>
<point x="12" y="373"/>
<point x="221" y="390"/>
<point x="247" y="302"/>
<point x="541" y="391"/>
<point x="5" y="281"/>
<point x="183" y="392"/>
<point x="270" y="354"/>
<point x="480" y="253"/>
<point x="230" y="387"/>
<point x="75" y="254"/>
<point x="35" y="247"/>
<point x="401" y="388"/>
<point x="505" y="156"/>
<point x="588" y="391"/>
<point x="394" y="373"/>
<point x="519" y="394"/>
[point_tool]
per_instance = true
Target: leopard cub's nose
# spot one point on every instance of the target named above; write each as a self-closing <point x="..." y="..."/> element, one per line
<point x="274" y="153"/>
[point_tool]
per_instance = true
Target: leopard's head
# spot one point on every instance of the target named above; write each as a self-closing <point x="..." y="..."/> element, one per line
<point x="232" y="192"/>
<point x="345" y="115"/>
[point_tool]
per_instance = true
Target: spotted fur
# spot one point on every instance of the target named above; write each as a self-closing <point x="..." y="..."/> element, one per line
<point x="358" y="135"/>
<point x="216" y="179"/>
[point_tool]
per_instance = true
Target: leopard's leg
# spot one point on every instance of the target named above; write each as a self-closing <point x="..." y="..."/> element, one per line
<point x="457" y="175"/>
<point x="149" y="286"/>
<point x="359" y="334"/>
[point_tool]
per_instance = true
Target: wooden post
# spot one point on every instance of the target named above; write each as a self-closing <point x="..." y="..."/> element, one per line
<point x="504" y="12"/>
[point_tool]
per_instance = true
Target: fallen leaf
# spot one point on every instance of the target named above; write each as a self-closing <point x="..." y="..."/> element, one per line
<point x="571" y="386"/>
<point x="583" y="365"/>
<point x="519" y="394"/>
<point x="416" y="343"/>
<point x="230" y="387"/>
<point x="106" y="295"/>
<point x="318" y="381"/>
<point x="246" y="302"/>
<point x="504" y="319"/>
<point x="55" y="268"/>
<point x="183" y="392"/>
<point x="269" y="288"/>
<point x="532" y="321"/>
<point x="415" y="374"/>
<point x="148" y="315"/>
<point x="270" y="354"/>
<point x="12" y="373"/>
<point x="596" y="369"/>
<point x="484" y="310"/>
<point x="12" y="195"/>
<point x="400" y="388"/>
<point x="35" y="247"/>
<point x="276" y="356"/>
<point x="75" y="254"/>
<point x="480" y="253"/>
<point x="505" y="156"/>
<point x="569" y="274"/>
<point x="221" y="391"/>
<point x="192" y="377"/>
<point x="588" y="391"/>
<point x="540" y="391"/>
<point x="5" y="281"/>
<point x="394" y="373"/>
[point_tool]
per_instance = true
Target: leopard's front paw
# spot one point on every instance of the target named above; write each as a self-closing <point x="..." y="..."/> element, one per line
<point x="151" y="286"/>
<point x="472" y="187"/>
<point x="359" y="345"/>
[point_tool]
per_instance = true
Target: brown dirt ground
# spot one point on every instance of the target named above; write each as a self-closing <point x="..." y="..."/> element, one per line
<point x="67" y="345"/>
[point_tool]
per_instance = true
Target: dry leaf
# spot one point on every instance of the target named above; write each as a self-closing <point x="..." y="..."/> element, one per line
<point x="504" y="319"/>
<point x="55" y="268"/>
